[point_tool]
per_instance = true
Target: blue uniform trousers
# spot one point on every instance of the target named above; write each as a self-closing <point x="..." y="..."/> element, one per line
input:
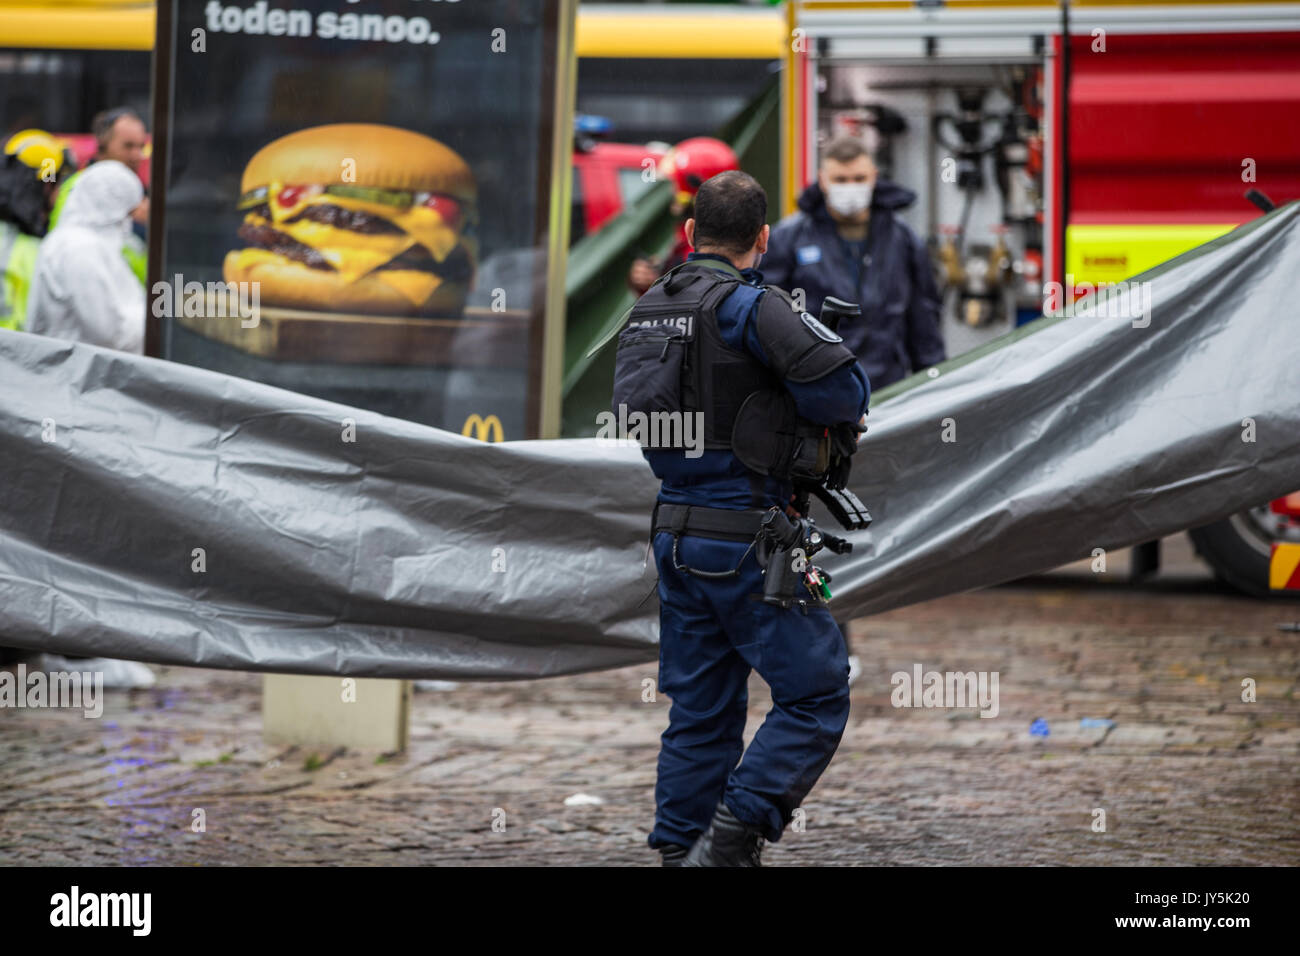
<point x="712" y="633"/>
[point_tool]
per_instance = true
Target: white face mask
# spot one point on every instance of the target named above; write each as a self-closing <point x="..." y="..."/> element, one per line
<point x="848" y="199"/>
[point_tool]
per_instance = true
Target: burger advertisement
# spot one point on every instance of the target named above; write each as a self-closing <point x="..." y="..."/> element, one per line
<point x="392" y="234"/>
<point x="378" y="174"/>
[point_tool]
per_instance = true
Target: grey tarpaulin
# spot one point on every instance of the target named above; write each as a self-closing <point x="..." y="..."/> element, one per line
<point x="376" y="557"/>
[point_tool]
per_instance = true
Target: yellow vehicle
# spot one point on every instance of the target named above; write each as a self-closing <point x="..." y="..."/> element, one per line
<point x="74" y="56"/>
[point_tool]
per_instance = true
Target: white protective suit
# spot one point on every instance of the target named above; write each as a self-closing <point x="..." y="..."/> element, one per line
<point x="82" y="288"/>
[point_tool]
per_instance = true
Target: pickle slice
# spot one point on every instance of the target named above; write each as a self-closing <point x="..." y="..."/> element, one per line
<point x="254" y="197"/>
<point x="388" y="197"/>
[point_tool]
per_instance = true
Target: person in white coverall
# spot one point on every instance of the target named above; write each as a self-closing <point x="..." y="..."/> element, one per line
<point x="82" y="288"/>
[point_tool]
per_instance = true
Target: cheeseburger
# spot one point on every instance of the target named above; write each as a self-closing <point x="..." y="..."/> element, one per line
<point x="355" y="217"/>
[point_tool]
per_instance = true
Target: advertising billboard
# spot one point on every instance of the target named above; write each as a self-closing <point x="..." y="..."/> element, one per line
<point x="354" y="200"/>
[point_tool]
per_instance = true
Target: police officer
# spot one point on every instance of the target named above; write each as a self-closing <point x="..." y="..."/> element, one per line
<point x="766" y="382"/>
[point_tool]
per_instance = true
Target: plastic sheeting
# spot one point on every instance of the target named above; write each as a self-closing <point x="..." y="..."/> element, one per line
<point x="164" y="513"/>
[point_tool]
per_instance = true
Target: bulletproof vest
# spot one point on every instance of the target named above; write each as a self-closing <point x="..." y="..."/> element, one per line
<point x="672" y="359"/>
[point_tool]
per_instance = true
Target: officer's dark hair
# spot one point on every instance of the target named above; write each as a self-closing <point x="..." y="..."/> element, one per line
<point x="730" y="210"/>
<point x="845" y="149"/>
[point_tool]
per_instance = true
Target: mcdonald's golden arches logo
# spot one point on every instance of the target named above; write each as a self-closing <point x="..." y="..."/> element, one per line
<point x="483" y="428"/>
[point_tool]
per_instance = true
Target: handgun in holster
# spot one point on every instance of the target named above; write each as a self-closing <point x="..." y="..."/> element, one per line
<point x="784" y="550"/>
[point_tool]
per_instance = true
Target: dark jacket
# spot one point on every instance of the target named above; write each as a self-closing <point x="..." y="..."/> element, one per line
<point x="717" y="479"/>
<point x="899" y="330"/>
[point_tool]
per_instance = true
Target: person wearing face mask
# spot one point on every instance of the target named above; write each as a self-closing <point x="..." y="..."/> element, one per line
<point x="847" y="241"/>
<point x="83" y="289"/>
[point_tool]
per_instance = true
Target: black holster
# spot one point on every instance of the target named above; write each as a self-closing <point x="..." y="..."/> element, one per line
<point x="784" y="551"/>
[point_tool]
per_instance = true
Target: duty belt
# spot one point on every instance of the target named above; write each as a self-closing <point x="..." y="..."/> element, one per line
<point x="701" y="522"/>
<point x="783" y="544"/>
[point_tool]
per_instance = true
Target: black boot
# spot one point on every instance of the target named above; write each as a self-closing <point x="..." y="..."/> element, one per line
<point x="727" y="842"/>
<point x="673" y="854"/>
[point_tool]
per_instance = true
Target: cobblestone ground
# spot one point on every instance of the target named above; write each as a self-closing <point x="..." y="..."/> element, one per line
<point x="1188" y="774"/>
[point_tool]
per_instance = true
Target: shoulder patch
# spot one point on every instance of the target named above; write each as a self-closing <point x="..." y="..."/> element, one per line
<point x="818" y="329"/>
<point x="807" y="255"/>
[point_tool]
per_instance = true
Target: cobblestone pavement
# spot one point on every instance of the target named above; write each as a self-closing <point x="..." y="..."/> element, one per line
<point x="1189" y="774"/>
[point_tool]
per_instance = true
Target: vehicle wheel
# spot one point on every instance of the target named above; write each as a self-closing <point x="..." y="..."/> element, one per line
<point x="1238" y="548"/>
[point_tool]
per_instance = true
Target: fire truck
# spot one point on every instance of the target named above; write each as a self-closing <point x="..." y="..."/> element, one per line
<point x="1059" y="145"/>
<point x="607" y="177"/>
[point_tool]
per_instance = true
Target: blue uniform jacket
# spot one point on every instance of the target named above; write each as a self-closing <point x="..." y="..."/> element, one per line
<point x="898" y="333"/>
<point x="717" y="479"/>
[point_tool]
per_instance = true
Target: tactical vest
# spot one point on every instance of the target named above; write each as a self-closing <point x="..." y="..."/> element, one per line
<point x="672" y="359"/>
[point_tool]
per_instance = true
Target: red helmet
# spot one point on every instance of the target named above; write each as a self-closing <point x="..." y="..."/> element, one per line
<point x="692" y="161"/>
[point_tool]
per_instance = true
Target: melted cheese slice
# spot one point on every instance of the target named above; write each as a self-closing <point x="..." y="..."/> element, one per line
<point x="425" y="225"/>
<point x="350" y="253"/>
<point x="355" y="254"/>
<point x="247" y="258"/>
<point x="416" y="286"/>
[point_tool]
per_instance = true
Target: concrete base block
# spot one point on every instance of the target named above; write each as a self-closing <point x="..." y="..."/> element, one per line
<point x="359" y="713"/>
